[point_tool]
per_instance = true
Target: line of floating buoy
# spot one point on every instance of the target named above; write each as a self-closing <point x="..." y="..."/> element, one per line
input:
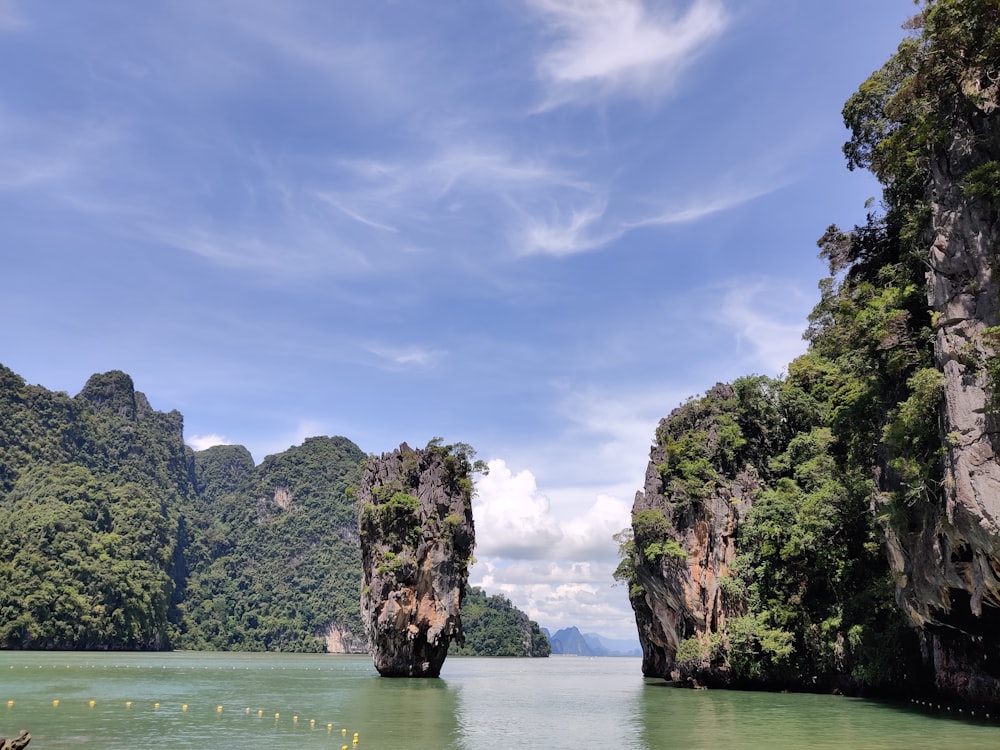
<point x="938" y="707"/>
<point x="92" y="703"/>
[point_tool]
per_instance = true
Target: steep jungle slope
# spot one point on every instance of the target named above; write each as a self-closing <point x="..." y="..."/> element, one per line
<point x="786" y="529"/>
<point x="280" y="564"/>
<point x="92" y="492"/>
<point x="495" y="627"/>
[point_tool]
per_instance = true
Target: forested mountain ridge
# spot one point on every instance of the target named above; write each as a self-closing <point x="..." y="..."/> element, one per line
<point x="279" y="567"/>
<point x="118" y="536"/>
<point x="840" y="528"/>
<point x="91" y="491"/>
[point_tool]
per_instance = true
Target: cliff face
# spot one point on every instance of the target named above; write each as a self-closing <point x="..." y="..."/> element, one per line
<point x="417" y="537"/>
<point x="281" y="566"/>
<point x="947" y="555"/>
<point x="681" y="596"/>
<point x="859" y="548"/>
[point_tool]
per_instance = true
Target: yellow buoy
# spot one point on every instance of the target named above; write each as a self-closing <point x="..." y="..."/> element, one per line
<point x="156" y="706"/>
<point x="295" y="719"/>
<point x="344" y="730"/>
<point x="128" y="704"/>
<point x="329" y="727"/>
<point x="55" y="703"/>
<point x="92" y="703"/>
<point x="260" y="712"/>
<point x="248" y="710"/>
<point x="312" y="722"/>
<point x="218" y="709"/>
<point x="276" y="715"/>
<point x="184" y="707"/>
<point x="10" y="703"/>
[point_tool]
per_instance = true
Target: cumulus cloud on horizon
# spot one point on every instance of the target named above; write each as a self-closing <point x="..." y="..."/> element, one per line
<point x="554" y="564"/>
<point x="201" y="442"/>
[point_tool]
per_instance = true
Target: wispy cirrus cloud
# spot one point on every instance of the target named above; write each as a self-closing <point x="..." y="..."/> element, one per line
<point x="11" y="17"/>
<point x="405" y="356"/>
<point x="563" y="231"/>
<point x="725" y="200"/>
<point x="621" y="47"/>
<point x="55" y="156"/>
<point x="768" y="317"/>
<point x="338" y="204"/>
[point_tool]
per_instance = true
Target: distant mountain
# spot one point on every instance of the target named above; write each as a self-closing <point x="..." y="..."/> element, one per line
<point x="571" y="641"/>
<point x="614" y="646"/>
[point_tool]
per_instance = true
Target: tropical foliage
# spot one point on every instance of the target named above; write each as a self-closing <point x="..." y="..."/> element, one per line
<point x="848" y="442"/>
<point x="495" y="627"/>
<point x="116" y="536"/>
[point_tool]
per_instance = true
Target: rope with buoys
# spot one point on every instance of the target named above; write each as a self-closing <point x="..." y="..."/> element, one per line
<point x="23" y="739"/>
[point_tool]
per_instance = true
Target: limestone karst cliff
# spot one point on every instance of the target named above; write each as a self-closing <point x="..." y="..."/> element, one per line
<point x="946" y="556"/>
<point x="417" y="537"/>
<point x="839" y="529"/>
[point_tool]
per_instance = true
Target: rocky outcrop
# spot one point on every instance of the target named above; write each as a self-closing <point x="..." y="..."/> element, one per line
<point x="680" y="594"/>
<point x="17" y="743"/>
<point x="891" y="495"/>
<point x="417" y="537"/>
<point x="340" y="640"/>
<point x="947" y="556"/>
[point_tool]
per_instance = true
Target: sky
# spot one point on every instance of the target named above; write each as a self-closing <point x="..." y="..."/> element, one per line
<point x="533" y="226"/>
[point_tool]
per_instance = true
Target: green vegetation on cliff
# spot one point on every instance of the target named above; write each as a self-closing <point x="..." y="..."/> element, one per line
<point x="495" y="627"/>
<point x="280" y="562"/>
<point x="91" y="491"/>
<point x="847" y="448"/>
<point x="117" y="536"/>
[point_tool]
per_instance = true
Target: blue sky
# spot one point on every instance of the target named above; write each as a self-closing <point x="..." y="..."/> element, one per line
<point x="535" y="226"/>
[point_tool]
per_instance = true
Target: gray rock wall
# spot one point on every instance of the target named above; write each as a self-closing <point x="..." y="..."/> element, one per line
<point x="417" y="536"/>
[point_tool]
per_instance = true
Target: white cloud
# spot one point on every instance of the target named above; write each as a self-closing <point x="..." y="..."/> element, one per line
<point x="512" y="516"/>
<point x="201" y="442"/>
<point x="768" y="317"/>
<point x="301" y="250"/>
<point x="554" y="564"/>
<point x="562" y="595"/>
<point x="563" y="235"/>
<point x="357" y="216"/>
<point x="622" y="46"/>
<point x="692" y="212"/>
<point x="407" y="356"/>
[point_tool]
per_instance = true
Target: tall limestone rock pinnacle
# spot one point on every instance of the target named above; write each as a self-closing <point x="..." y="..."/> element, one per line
<point x="947" y="556"/>
<point x="417" y="537"/>
<point x="680" y="584"/>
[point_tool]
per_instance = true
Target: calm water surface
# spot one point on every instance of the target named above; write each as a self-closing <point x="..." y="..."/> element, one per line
<point x="319" y="701"/>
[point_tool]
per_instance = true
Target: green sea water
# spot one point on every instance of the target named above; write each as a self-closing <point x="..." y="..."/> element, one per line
<point x="223" y="701"/>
